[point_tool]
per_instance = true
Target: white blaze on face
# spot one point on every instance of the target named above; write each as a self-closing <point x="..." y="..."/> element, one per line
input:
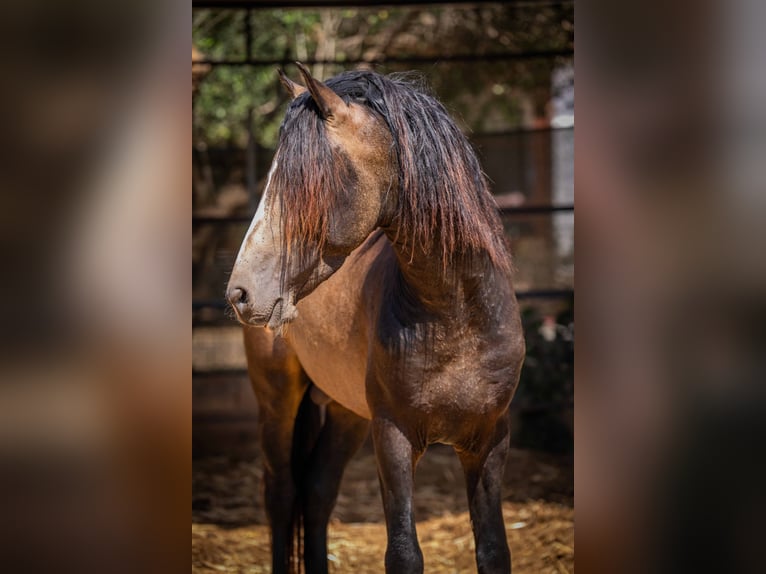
<point x="260" y="213"/>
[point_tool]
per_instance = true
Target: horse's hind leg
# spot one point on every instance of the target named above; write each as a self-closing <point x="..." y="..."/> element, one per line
<point x="341" y="436"/>
<point x="396" y="457"/>
<point x="484" y="477"/>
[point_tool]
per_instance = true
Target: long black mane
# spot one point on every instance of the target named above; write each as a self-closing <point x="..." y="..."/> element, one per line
<point x="444" y="202"/>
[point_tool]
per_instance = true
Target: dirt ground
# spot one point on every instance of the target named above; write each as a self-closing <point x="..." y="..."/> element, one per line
<point x="229" y="532"/>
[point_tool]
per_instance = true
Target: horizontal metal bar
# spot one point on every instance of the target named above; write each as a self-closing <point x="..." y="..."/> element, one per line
<point x="542" y="407"/>
<point x="528" y="294"/>
<point x="223" y="220"/>
<point x="533" y="209"/>
<point x="545" y="294"/>
<point x="222" y="418"/>
<point x="455" y="58"/>
<point x="519" y="131"/>
<point x="209" y="304"/>
<point x="265" y="4"/>
<point x="520" y="210"/>
<point x="211" y="373"/>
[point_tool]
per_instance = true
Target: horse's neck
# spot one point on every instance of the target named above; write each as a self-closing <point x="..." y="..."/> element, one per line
<point x="450" y="291"/>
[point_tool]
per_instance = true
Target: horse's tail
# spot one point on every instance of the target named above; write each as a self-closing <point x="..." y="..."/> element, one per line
<point x="308" y="424"/>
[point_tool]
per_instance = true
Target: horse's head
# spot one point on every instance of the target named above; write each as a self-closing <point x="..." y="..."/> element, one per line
<point x="327" y="190"/>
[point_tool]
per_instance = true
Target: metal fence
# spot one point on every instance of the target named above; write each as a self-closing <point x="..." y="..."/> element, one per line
<point x="209" y="306"/>
<point x="248" y="59"/>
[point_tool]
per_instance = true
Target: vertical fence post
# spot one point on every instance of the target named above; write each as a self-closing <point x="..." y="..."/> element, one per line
<point x="250" y="167"/>
<point x="248" y="35"/>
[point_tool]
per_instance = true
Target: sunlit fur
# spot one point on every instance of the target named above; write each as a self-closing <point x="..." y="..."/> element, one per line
<point x="416" y="332"/>
<point x="444" y="203"/>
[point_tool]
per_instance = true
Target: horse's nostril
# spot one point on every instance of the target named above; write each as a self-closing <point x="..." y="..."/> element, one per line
<point x="237" y="296"/>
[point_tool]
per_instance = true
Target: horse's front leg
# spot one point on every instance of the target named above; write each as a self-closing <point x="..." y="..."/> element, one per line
<point x="341" y="436"/>
<point x="396" y="459"/>
<point x="280" y="490"/>
<point x="484" y="469"/>
<point x="279" y="385"/>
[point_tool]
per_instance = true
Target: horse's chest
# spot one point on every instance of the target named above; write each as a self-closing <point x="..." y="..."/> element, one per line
<point x="332" y="349"/>
<point x="448" y="404"/>
<point x="457" y="383"/>
<point x="461" y="389"/>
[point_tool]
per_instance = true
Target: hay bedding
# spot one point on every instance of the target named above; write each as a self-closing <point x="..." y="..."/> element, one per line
<point x="229" y="532"/>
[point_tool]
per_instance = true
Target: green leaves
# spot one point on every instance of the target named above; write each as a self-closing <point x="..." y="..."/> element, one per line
<point x="489" y="95"/>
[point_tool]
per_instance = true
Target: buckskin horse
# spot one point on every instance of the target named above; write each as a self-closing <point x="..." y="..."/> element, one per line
<point x="378" y="242"/>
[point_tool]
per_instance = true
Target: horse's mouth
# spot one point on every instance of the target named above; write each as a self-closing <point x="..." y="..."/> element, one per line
<point x="275" y="317"/>
<point x="281" y="312"/>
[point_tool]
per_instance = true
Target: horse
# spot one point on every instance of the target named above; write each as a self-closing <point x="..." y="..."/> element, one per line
<point x="377" y="262"/>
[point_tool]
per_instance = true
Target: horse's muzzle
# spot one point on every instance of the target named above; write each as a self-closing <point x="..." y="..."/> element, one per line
<point x="237" y="298"/>
<point x="277" y="314"/>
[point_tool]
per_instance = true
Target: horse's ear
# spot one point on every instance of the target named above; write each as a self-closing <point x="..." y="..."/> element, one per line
<point x="331" y="105"/>
<point x="293" y="90"/>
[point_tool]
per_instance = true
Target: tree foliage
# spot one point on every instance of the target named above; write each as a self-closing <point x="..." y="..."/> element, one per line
<point x="486" y="95"/>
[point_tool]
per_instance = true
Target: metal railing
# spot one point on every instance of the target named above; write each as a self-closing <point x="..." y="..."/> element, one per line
<point x="248" y="60"/>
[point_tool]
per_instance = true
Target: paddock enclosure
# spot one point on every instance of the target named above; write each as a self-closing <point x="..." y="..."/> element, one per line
<point x="505" y="71"/>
